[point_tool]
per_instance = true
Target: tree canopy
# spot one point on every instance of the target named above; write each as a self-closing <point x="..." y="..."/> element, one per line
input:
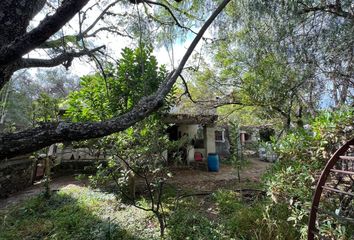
<point x="136" y="75"/>
<point x="24" y="39"/>
<point x="287" y="60"/>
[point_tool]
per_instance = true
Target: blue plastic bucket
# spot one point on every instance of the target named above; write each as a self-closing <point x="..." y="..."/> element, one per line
<point x="213" y="162"/>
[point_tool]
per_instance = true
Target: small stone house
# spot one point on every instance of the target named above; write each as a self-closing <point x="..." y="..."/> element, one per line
<point x="199" y="129"/>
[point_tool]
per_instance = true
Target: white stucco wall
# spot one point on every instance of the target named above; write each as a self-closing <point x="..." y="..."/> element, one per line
<point x="190" y="153"/>
<point x="209" y="142"/>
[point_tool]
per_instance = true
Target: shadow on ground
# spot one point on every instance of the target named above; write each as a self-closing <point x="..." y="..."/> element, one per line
<point x="60" y="217"/>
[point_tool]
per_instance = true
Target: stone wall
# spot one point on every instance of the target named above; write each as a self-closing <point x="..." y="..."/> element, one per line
<point x="16" y="174"/>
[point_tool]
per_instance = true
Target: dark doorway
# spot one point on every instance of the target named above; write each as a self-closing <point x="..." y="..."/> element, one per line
<point x="265" y="134"/>
<point x="172" y="133"/>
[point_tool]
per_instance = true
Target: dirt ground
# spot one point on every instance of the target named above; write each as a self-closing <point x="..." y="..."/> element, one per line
<point x="37" y="188"/>
<point x="184" y="178"/>
<point x="199" y="180"/>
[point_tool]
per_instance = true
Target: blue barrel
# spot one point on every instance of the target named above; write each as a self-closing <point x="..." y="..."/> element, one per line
<point x="213" y="162"/>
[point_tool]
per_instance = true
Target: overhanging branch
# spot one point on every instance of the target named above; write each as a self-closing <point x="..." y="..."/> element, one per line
<point x="170" y="12"/>
<point x="13" y="144"/>
<point x="66" y="57"/>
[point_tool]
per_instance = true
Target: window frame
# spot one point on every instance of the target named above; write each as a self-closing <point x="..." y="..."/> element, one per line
<point x="222" y="140"/>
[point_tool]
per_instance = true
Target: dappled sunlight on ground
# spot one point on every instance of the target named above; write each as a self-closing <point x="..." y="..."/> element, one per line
<point x="76" y="212"/>
<point x="56" y="184"/>
<point x="182" y="177"/>
<point x="199" y="180"/>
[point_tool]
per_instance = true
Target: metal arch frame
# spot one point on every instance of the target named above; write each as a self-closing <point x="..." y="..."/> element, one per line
<point x="319" y="188"/>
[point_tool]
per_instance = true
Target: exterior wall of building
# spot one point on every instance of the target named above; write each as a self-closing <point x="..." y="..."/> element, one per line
<point x="209" y="140"/>
<point x="223" y="147"/>
<point x="191" y="130"/>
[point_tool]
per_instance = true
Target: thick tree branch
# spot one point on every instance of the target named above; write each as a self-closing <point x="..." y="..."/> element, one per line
<point x="50" y="25"/>
<point x="13" y="144"/>
<point x="62" y="58"/>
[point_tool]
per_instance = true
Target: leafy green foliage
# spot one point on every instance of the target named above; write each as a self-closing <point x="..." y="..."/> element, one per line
<point x="136" y="75"/>
<point x="266" y="84"/>
<point x="302" y="155"/>
<point x="252" y="219"/>
<point x="190" y="224"/>
<point x="45" y="109"/>
<point x="279" y="58"/>
<point x="27" y="99"/>
<point x="72" y="213"/>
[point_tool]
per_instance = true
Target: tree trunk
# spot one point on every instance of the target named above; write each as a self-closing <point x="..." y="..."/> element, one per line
<point x="161" y="223"/>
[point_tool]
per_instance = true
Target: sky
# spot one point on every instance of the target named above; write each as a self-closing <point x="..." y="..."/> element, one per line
<point x="115" y="44"/>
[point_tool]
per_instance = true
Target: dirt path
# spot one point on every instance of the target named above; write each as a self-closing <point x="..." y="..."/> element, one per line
<point x="198" y="180"/>
<point x="186" y="178"/>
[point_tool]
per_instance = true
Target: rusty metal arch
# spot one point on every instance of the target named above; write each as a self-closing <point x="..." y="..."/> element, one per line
<point x="339" y="155"/>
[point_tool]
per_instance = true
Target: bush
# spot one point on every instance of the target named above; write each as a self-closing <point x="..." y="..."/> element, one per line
<point x="302" y="156"/>
<point x="190" y="224"/>
<point x="257" y="219"/>
<point x="63" y="216"/>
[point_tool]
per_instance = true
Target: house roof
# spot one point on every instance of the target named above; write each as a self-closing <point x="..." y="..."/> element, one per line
<point x="253" y="127"/>
<point x="190" y="119"/>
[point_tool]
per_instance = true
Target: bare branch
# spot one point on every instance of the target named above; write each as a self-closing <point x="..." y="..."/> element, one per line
<point x="335" y="9"/>
<point x="108" y="29"/>
<point x="99" y="17"/>
<point x="62" y="58"/>
<point x="85" y="33"/>
<point x="186" y="89"/>
<point x="171" y="13"/>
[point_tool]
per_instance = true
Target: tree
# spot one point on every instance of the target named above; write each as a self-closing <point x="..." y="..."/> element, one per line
<point x="138" y="154"/>
<point x="283" y="59"/>
<point x="20" y="98"/>
<point x="15" y="45"/>
<point x="135" y="75"/>
<point x="16" y="102"/>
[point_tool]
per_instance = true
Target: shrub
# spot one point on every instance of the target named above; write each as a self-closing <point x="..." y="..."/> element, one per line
<point x="190" y="224"/>
<point x="257" y="219"/>
<point x="302" y="155"/>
